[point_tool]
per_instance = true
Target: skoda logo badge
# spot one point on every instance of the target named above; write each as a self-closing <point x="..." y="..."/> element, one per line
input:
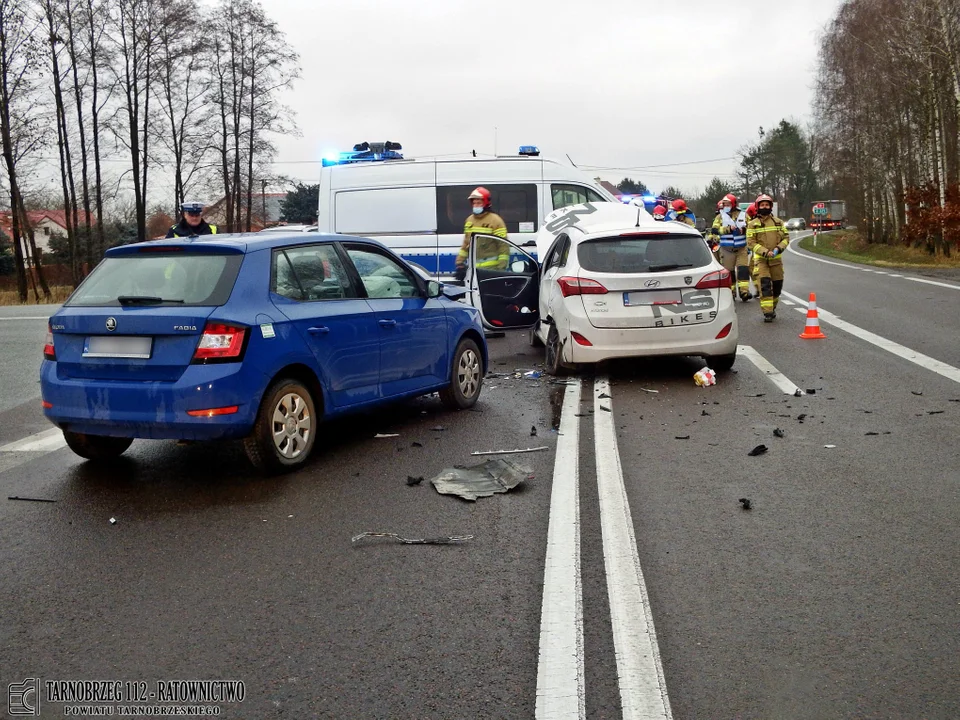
<point x="688" y="279"/>
<point x="652" y="283"/>
<point x="111" y="324"/>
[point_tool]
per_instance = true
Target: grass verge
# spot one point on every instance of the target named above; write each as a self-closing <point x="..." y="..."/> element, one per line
<point x="849" y="245"/>
<point x="58" y="293"/>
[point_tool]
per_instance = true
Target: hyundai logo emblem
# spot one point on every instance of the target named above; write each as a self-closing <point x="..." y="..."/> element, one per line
<point x="111" y="324"/>
<point x="652" y="283"/>
<point x="688" y="279"/>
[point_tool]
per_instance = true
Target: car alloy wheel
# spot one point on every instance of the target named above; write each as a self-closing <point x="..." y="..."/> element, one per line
<point x="292" y="426"/>
<point x="468" y="372"/>
<point x="466" y="377"/>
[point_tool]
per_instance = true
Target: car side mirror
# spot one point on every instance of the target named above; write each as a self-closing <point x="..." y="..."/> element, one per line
<point x="434" y="289"/>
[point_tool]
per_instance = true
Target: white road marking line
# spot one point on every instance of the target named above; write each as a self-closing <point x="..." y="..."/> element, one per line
<point x="767" y="368"/>
<point x="866" y="269"/>
<point x="788" y="302"/>
<point x="560" y="675"/>
<point x="930" y="282"/>
<point x="46" y="441"/>
<point x="643" y="689"/>
<point x="27" y="317"/>
<point x="924" y="361"/>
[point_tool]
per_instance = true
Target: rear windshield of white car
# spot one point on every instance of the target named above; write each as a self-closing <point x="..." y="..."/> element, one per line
<point x="643" y="253"/>
<point x="187" y="279"/>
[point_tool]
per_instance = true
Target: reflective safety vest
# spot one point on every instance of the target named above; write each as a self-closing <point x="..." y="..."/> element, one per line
<point x="490" y="253"/>
<point x="727" y="224"/>
<point x="213" y="231"/>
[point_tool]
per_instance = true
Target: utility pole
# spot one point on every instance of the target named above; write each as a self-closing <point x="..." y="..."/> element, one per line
<point x="263" y="198"/>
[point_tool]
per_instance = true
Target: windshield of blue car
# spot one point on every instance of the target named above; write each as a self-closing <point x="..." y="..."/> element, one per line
<point x="183" y="279"/>
<point x="643" y="253"/>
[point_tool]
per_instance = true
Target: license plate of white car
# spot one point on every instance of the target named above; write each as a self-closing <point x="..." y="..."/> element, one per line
<point x="128" y="346"/>
<point x="652" y="297"/>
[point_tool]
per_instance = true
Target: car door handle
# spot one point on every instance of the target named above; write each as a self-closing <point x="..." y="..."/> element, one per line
<point x="318" y="330"/>
<point x="388" y="323"/>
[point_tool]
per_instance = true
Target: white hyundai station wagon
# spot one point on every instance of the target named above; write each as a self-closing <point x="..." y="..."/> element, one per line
<point x="613" y="283"/>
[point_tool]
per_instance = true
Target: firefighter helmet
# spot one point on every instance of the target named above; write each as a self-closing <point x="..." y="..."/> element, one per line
<point x="763" y="198"/>
<point x="481" y="193"/>
<point x="731" y="198"/>
<point x="752" y="211"/>
<point x="679" y="205"/>
<point x="659" y="212"/>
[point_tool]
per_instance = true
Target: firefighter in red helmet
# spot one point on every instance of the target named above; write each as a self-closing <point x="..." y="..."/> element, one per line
<point x="731" y="225"/>
<point x="680" y="213"/>
<point x="769" y="239"/>
<point x="482" y="220"/>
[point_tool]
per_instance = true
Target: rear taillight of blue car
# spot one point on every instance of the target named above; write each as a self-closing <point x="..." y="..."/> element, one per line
<point x="221" y="343"/>
<point x="48" y="351"/>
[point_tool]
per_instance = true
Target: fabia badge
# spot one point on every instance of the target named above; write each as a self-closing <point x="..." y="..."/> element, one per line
<point x="111" y="324"/>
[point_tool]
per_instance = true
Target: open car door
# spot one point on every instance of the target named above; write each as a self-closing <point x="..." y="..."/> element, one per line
<point x="504" y="283"/>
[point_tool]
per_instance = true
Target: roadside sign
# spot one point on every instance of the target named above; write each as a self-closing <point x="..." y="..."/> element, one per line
<point x="819" y="209"/>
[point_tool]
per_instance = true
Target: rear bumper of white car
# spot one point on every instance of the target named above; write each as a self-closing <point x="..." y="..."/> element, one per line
<point x="610" y="343"/>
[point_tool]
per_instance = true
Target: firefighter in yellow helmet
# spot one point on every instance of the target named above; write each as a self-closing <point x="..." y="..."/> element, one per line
<point x="731" y="225"/>
<point x="491" y="254"/>
<point x="768" y="238"/>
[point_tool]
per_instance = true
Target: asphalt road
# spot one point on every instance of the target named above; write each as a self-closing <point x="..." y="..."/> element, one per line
<point x="835" y="595"/>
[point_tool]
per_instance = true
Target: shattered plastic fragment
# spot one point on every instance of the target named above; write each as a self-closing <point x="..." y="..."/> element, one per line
<point x="533" y="374"/>
<point x="758" y="450"/>
<point x="745" y="503"/>
<point x="649" y="391"/>
<point x="411" y="481"/>
<point x="113" y="521"/>
<point x="416" y="444"/>
<point x="605" y="409"/>
<point x="477" y="481"/>
<point x="449" y="540"/>
<point x="869" y="434"/>
<point x="603" y="396"/>
<point x="533" y="431"/>
<point x="811" y="391"/>
<point x="914" y="392"/>
<point x="681" y="437"/>
<point x="386" y="435"/>
<point x="798" y="393"/>
<point x="510" y="452"/>
<point x="705" y="377"/>
<point x="830" y="447"/>
<point x="778" y="433"/>
<point x="438" y="428"/>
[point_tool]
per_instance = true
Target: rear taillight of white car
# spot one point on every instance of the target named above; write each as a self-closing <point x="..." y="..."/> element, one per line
<point x="48" y="351"/>
<point x="718" y="279"/>
<point x="220" y="343"/>
<point x="580" y="286"/>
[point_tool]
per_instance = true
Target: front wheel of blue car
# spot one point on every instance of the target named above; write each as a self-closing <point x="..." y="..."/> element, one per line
<point x="96" y="447"/>
<point x="466" y="377"/>
<point x="285" y="429"/>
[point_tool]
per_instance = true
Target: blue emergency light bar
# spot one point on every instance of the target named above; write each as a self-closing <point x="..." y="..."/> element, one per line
<point x="365" y="152"/>
<point x="529" y="150"/>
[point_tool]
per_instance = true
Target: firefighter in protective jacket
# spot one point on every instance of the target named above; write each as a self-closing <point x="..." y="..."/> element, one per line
<point x="491" y="254"/>
<point x="769" y="239"/>
<point x="731" y="226"/>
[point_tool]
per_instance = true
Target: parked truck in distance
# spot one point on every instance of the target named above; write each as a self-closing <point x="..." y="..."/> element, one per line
<point x="828" y="214"/>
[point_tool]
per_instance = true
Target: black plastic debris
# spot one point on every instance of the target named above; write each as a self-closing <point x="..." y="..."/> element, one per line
<point x="448" y="540"/>
<point x="798" y="393"/>
<point x="934" y="412"/>
<point x="416" y="444"/>
<point x="438" y="428"/>
<point x="606" y="409"/>
<point x="704" y="413"/>
<point x="811" y="391"/>
<point x="801" y="417"/>
<point x="758" y="395"/>
<point x="681" y="437"/>
<point x="603" y="396"/>
<point x="777" y="432"/>
<point x="29" y="499"/>
<point x="914" y="392"/>
<point x="477" y="481"/>
<point x="758" y="450"/>
<point x="744" y="503"/>
<point x="411" y="481"/>
<point x="533" y="431"/>
<point x="871" y="433"/>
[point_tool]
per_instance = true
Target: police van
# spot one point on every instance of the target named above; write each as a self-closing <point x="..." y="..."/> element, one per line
<point x="417" y="207"/>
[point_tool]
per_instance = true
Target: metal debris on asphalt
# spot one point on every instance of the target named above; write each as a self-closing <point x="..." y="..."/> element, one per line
<point x="448" y="540"/>
<point x="411" y="480"/>
<point x="758" y="450"/>
<point x="649" y="391"/>
<point x="510" y="452"/>
<point x="29" y="499"/>
<point x="744" y="503"/>
<point x="777" y="432"/>
<point x="477" y="481"/>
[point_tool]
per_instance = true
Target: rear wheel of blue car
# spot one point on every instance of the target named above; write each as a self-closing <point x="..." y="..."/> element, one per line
<point x="285" y="429"/>
<point x="466" y="377"/>
<point x="96" y="447"/>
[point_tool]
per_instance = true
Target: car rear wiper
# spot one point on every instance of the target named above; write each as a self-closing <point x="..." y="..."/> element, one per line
<point x="145" y="300"/>
<point x="664" y="268"/>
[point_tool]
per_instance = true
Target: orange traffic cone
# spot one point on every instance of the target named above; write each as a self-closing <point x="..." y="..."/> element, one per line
<point x="812" y="330"/>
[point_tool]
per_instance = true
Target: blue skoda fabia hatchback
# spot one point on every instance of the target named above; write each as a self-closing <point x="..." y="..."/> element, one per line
<point x="258" y="337"/>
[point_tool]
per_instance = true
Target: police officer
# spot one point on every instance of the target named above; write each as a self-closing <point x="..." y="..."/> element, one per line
<point x="490" y="253"/>
<point x="769" y="239"/>
<point x="731" y="225"/>
<point x="192" y="222"/>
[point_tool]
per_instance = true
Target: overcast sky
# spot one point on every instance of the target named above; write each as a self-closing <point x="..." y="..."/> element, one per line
<point x="612" y="84"/>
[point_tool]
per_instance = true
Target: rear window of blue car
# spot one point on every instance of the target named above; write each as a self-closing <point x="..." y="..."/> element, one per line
<point x="187" y="279"/>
